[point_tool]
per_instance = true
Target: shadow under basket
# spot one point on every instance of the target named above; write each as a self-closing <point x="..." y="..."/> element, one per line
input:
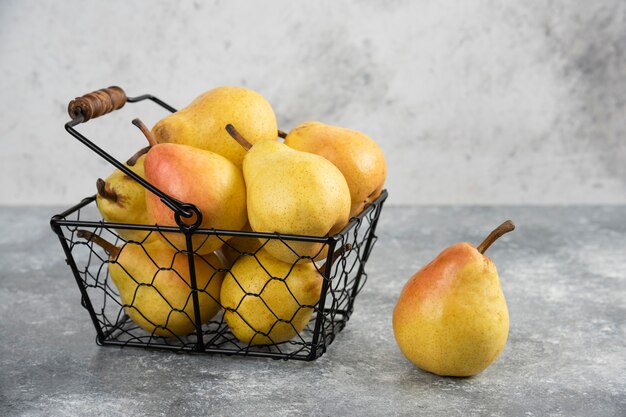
<point x="170" y="298"/>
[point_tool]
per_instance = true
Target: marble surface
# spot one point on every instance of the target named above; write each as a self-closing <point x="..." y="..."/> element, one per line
<point x="562" y="271"/>
<point x="476" y="102"/>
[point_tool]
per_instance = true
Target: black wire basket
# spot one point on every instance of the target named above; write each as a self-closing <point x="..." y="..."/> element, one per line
<point x="286" y="311"/>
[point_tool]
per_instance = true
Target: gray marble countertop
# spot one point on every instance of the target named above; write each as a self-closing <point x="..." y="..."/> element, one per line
<point x="563" y="272"/>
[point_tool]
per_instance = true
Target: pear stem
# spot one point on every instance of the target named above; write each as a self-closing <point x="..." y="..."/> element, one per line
<point x="146" y="132"/>
<point x="335" y="256"/>
<point x="132" y="161"/>
<point x="109" y="248"/>
<point x="237" y="136"/>
<point x="104" y="192"/>
<point x="282" y="134"/>
<point x="505" y="227"/>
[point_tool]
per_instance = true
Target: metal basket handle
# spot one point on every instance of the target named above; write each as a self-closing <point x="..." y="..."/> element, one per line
<point x="104" y="101"/>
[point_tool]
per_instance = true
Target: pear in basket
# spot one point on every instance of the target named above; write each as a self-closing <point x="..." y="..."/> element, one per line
<point x="191" y="175"/>
<point x="293" y="192"/>
<point x="201" y="123"/>
<point x="268" y="301"/>
<point x="358" y="157"/>
<point x="121" y="199"/>
<point x="155" y="286"/>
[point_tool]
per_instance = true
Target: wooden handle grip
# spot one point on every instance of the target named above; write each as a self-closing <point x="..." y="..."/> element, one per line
<point x="97" y="103"/>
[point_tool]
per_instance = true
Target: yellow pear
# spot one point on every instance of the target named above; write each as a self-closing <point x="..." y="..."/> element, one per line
<point x="121" y="199"/>
<point x="293" y="192"/>
<point x="358" y="157"/>
<point x="201" y="123"/>
<point x="451" y="318"/>
<point x="268" y="301"/>
<point x="154" y="284"/>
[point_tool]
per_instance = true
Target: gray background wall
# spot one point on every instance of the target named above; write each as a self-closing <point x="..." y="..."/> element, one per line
<point x="482" y="102"/>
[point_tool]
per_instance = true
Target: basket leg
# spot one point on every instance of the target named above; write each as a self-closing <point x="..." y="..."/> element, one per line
<point x="85" y="301"/>
<point x="194" y="291"/>
<point x="366" y="252"/>
<point x="320" y="315"/>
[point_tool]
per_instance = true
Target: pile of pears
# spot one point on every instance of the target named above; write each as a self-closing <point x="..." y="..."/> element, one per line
<point x="223" y="153"/>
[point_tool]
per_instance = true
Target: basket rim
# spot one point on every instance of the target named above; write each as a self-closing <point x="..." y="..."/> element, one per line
<point x="61" y="220"/>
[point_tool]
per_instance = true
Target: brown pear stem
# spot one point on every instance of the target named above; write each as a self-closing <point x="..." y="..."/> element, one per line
<point x="109" y="248"/>
<point x="146" y="132"/>
<point x="505" y="227"/>
<point x="237" y="136"/>
<point x="335" y="256"/>
<point x="282" y="134"/>
<point x="132" y="161"/>
<point x="105" y="192"/>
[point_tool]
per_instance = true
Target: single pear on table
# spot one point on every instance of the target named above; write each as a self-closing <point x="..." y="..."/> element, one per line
<point x="121" y="199"/>
<point x="154" y="284"/>
<point x="268" y="301"/>
<point x="293" y="192"/>
<point x="451" y="318"/>
<point x="358" y="157"/>
<point x="191" y="175"/>
<point x="201" y="123"/>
